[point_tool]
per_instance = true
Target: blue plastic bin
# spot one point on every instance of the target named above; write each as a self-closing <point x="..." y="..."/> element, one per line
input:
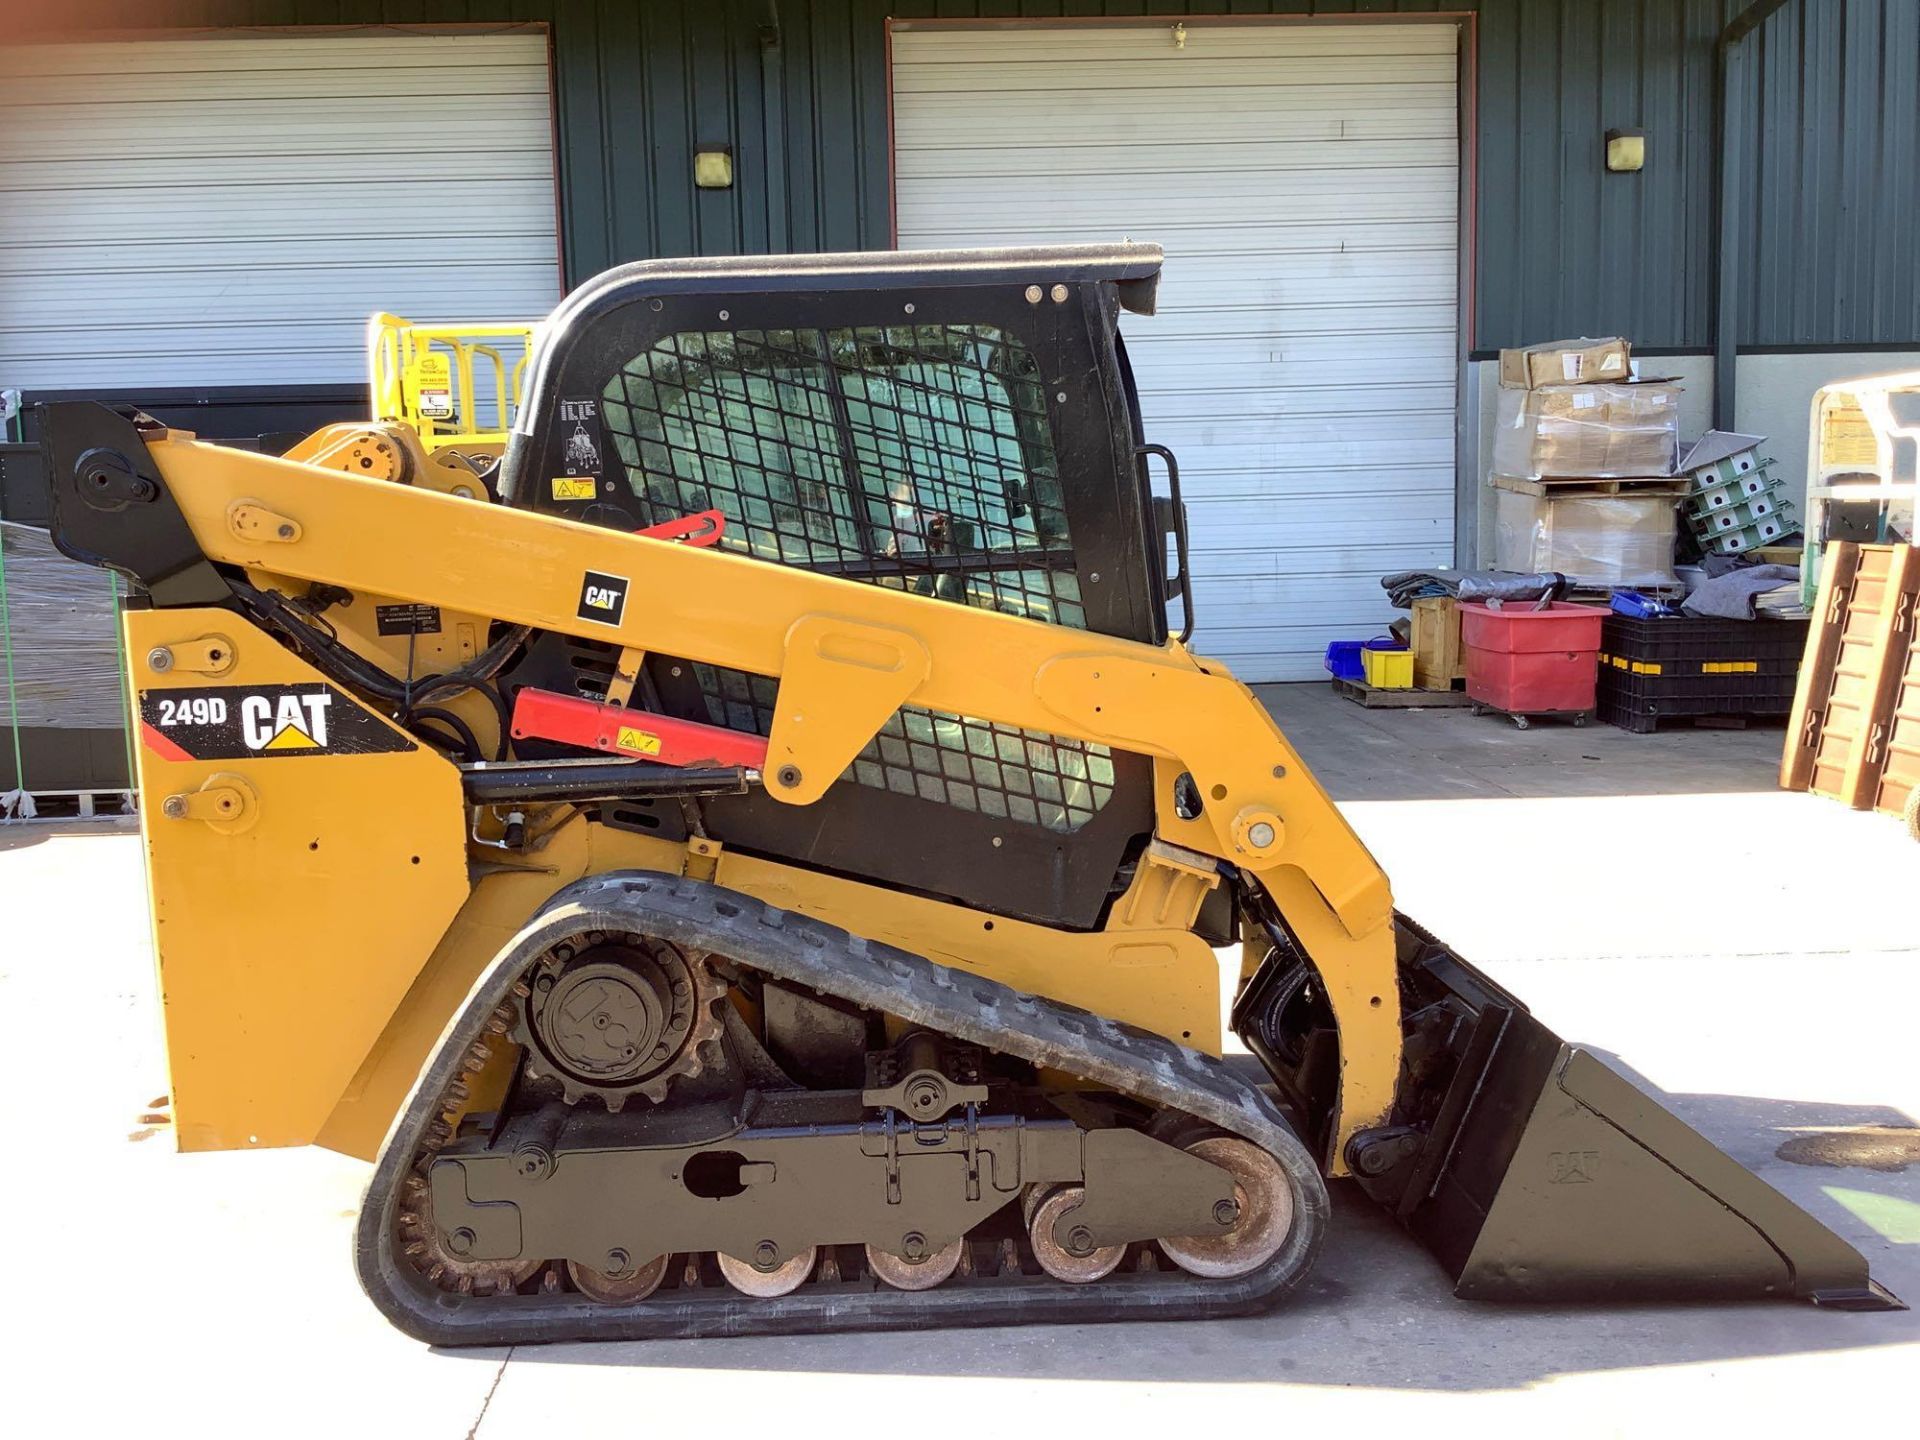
<point x="1343" y="659"/>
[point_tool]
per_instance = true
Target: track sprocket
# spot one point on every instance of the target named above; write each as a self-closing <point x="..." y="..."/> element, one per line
<point x="613" y="1015"/>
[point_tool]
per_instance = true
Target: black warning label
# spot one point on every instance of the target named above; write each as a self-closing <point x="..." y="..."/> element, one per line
<point x="580" y="445"/>
<point x="407" y="619"/>
<point x="232" y="722"/>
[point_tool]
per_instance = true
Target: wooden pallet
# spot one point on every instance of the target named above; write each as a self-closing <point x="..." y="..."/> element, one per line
<point x="1555" y="487"/>
<point x="1362" y="693"/>
<point x="1602" y="595"/>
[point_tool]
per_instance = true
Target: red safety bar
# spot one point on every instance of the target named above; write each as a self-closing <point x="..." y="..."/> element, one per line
<point x="701" y="528"/>
<point x="616" y="730"/>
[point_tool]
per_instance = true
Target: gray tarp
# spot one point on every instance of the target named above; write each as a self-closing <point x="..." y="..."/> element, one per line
<point x="1406" y="586"/>
<point x="1730" y="596"/>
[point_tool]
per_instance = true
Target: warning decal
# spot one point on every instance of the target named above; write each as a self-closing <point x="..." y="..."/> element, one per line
<point x="1847" y="441"/>
<point x="637" y="742"/>
<point x="430" y="378"/>
<point x="232" y="722"/>
<point x="573" y="487"/>
<point x="580" y="450"/>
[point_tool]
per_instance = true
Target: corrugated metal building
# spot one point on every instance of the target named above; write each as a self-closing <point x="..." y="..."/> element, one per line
<point x="1361" y="201"/>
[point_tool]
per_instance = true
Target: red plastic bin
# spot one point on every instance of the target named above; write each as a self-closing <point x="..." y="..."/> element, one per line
<point x="1532" y="662"/>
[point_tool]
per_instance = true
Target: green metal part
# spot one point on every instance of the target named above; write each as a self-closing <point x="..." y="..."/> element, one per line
<point x="807" y="1174"/>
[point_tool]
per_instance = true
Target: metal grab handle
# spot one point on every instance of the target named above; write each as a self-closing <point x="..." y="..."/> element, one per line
<point x="1185" y="578"/>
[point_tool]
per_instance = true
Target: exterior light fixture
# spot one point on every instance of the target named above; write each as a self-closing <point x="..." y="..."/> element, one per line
<point x="1626" y="150"/>
<point x="713" y="167"/>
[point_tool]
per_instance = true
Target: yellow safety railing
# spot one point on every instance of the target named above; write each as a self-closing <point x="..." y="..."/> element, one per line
<point x="430" y="377"/>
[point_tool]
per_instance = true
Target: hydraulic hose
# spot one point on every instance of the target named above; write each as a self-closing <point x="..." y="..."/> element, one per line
<point x="454" y="723"/>
<point x="341" y="662"/>
<point x="411" y="700"/>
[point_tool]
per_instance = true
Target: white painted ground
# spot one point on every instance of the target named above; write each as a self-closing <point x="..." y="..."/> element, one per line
<point x="213" y="1296"/>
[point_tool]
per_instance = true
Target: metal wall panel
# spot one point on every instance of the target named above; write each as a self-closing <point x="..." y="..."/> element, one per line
<point x="1832" y="94"/>
<point x="1304" y="182"/>
<point x="1833" y="198"/>
<point x="228" y="209"/>
<point x="1829" y="205"/>
<point x="1828" y="91"/>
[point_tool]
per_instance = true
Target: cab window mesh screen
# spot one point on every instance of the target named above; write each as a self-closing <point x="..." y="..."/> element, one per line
<point x="1018" y="775"/>
<point x="917" y="457"/>
<point x="913" y="456"/>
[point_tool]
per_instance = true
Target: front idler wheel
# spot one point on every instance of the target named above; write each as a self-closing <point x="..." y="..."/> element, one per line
<point x="1262" y="1217"/>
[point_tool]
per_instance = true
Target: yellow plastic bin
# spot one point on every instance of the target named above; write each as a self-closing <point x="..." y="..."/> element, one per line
<point x="1387" y="664"/>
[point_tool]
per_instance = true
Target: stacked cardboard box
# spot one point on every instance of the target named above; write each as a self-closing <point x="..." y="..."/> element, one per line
<point x="1623" y="539"/>
<point x="1587" y="432"/>
<point x="1566" y="362"/>
<point x="1583" y="455"/>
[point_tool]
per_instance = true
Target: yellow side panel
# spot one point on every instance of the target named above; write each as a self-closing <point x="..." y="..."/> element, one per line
<point x="501" y="903"/>
<point x="304" y="857"/>
<point x="1166" y="981"/>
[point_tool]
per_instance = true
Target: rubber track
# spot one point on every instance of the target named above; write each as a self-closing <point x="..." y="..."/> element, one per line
<point x="824" y="958"/>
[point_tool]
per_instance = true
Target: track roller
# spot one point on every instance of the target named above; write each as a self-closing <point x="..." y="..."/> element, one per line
<point x="1078" y="1266"/>
<point x="922" y="1274"/>
<point x="783" y="1279"/>
<point x="626" y="1286"/>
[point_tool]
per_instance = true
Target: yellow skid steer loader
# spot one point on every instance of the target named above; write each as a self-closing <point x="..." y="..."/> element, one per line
<point x="752" y="859"/>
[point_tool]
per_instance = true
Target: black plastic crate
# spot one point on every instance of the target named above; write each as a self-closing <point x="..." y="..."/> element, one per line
<point x="1640" y="707"/>
<point x="1654" y="670"/>
<point x="1704" y="639"/>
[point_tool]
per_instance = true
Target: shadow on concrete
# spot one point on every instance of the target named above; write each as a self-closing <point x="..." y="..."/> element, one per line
<point x="1377" y="1311"/>
<point x="1453" y="754"/>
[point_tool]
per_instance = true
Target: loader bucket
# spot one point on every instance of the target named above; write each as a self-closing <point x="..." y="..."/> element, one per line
<point x="1533" y="1170"/>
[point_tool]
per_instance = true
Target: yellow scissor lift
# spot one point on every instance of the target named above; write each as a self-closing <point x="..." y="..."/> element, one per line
<point x="444" y="399"/>
<point x="431" y="377"/>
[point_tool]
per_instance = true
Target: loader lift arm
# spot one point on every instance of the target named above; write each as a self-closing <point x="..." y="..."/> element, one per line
<point x="846" y="657"/>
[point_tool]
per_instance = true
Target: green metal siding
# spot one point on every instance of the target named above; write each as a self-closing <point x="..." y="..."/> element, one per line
<point x="1833" y="197"/>
<point x="1829" y="98"/>
<point x="1830" y="93"/>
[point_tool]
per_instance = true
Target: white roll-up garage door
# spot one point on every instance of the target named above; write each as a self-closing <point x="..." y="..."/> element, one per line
<point x="228" y="211"/>
<point x="1303" y="179"/>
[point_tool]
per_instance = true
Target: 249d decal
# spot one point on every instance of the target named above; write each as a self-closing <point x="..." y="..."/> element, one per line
<point x="234" y="722"/>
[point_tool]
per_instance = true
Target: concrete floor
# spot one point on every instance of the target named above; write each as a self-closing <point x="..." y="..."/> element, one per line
<point x="1754" y="953"/>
